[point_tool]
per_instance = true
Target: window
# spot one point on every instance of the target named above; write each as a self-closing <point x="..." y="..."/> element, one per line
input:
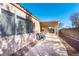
<point x="1" y="4"/>
<point x="20" y="25"/>
<point x="11" y="26"/>
<point x="7" y="26"/>
<point x="30" y="26"/>
<point x="24" y="26"/>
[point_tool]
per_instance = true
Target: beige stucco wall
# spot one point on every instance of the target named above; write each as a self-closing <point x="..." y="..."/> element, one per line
<point x="13" y="9"/>
<point x="37" y="25"/>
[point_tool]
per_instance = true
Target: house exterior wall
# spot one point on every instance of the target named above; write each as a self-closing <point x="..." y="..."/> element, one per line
<point x="37" y="25"/>
<point x="12" y="43"/>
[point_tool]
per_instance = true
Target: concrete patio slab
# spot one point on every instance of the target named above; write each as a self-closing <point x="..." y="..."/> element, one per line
<point x="51" y="46"/>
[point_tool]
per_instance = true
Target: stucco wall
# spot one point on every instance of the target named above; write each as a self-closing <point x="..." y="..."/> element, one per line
<point x="11" y="44"/>
<point x="37" y="25"/>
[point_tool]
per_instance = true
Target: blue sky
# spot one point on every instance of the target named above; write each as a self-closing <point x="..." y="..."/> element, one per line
<point x="53" y="11"/>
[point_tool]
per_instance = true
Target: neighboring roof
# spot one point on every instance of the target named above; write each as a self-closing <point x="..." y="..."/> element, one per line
<point x="52" y="23"/>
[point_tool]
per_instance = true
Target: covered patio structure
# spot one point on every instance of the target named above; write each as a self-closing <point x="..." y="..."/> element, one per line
<point x="52" y="27"/>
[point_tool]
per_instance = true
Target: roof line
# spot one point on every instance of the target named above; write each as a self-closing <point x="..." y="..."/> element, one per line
<point x="25" y="10"/>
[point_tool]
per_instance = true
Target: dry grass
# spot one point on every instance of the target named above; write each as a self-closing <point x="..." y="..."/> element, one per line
<point x="71" y="51"/>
